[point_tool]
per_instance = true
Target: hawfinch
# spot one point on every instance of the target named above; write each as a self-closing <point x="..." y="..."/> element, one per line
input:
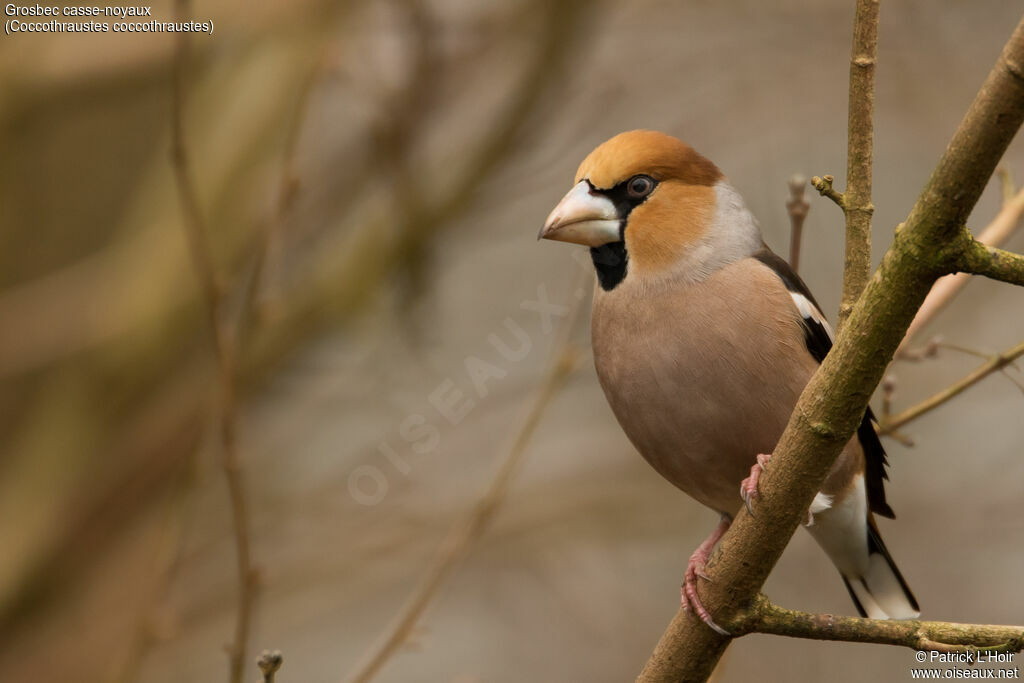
<point x="703" y="341"/>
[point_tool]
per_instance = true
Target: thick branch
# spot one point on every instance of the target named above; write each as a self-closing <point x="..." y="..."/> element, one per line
<point x="857" y="204"/>
<point x="941" y="636"/>
<point x="833" y="403"/>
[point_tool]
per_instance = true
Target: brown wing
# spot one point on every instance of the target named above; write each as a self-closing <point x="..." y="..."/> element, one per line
<point x="819" y="343"/>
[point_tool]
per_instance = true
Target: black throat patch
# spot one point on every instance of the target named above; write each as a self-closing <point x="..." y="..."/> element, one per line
<point x="610" y="260"/>
<point x="610" y="263"/>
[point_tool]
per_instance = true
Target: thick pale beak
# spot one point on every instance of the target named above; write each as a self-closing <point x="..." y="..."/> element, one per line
<point x="583" y="218"/>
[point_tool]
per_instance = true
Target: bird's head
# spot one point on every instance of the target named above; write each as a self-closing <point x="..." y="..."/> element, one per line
<point x="649" y="206"/>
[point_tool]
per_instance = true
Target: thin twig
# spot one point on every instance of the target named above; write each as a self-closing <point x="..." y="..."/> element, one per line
<point x="938" y="636"/>
<point x="928" y="351"/>
<point x="823" y="184"/>
<point x="224" y="344"/>
<point x="962" y="349"/>
<point x="888" y="392"/>
<point x="1006" y="222"/>
<point x="260" y="299"/>
<point x="995" y="364"/>
<point x="797" y="206"/>
<point x="464" y="534"/>
<point x="1016" y="382"/>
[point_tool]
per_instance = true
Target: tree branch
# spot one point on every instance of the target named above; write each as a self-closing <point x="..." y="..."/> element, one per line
<point x="464" y="534"/>
<point x="994" y="364"/>
<point x="797" y="207"/>
<point x="269" y="664"/>
<point x="941" y="636"/>
<point x="823" y="184"/>
<point x="833" y="403"/>
<point x="995" y="233"/>
<point x="224" y="342"/>
<point x="992" y="262"/>
<point x="262" y="298"/>
<point x="857" y="205"/>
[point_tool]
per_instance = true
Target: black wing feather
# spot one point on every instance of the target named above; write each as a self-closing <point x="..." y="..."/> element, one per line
<point x="819" y="343"/>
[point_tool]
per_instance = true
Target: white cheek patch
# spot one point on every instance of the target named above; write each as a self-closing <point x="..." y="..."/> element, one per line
<point x="811" y="312"/>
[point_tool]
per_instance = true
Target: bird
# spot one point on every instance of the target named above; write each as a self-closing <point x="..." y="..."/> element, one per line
<point x="703" y="340"/>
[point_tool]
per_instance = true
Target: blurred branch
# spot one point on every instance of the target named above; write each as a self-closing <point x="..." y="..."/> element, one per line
<point x="996" y="233"/>
<point x="168" y="552"/>
<point x="939" y="636"/>
<point x="465" y="533"/>
<point x="261" y="296"/>
<point x="344" y="277"/>
<point x="330" y="288"/>
<point x="224" y="338"/>
<point x="888" y="392"/>
<point x="996" y="363"/>
<point x="404" y="116"/>
<point x="156" y="431"/>
<point x="269" y="664"/>
<point x="797" y="206"/>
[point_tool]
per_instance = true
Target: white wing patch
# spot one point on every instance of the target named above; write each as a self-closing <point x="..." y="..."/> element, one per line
<point x="821" y="502"/>
<point x="811" y="312"/>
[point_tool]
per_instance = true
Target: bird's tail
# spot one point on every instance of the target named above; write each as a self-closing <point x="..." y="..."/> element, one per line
<point x="846" y="530"/>
<point x="880" y="592"/>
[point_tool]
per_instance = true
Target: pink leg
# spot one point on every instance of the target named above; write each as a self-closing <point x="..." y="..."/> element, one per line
<point x="695" y="568"/>
<point x="748" y="487"/>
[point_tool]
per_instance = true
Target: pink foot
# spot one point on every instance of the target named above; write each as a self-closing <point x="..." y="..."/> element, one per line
<point x="748" y="487"/>
<point x="695" y="568"/>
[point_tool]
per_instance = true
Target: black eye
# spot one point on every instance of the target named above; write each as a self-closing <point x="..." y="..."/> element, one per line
<point x="639" y="186"/>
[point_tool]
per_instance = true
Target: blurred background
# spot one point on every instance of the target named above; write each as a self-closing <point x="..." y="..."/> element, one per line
<point x="370" y="178"/>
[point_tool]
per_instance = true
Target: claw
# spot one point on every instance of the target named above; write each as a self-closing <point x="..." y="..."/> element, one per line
<point x="692" y="602"/>
<point x="695" y="569"/>
<point x="748" y="487"/>
<point x="716" y="628"/>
